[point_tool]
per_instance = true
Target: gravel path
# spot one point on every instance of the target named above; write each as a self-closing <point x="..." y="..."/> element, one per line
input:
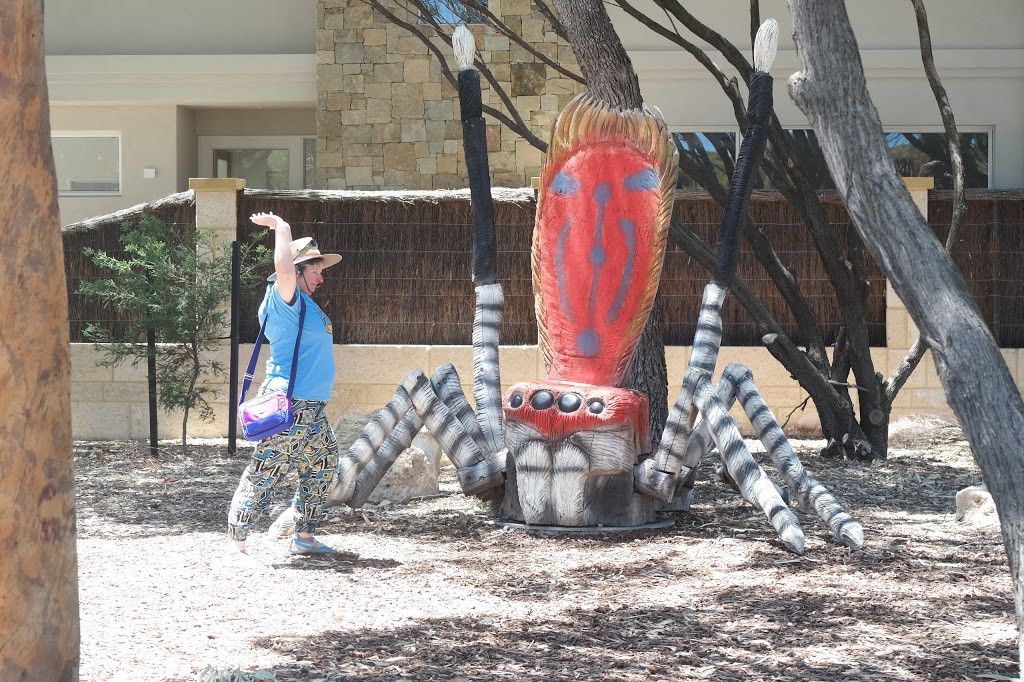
<point x="430" y="590"/>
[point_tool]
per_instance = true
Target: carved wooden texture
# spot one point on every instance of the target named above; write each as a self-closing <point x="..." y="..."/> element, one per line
<point x="599" y="244"/>
<point x="572" y="448"/>
<point x="598" y="248"/>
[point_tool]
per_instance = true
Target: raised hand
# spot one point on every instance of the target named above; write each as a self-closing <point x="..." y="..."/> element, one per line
<point x="268" y="220"/>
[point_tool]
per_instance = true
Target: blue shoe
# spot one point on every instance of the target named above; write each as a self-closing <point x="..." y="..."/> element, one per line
<point x="301" y="547"/>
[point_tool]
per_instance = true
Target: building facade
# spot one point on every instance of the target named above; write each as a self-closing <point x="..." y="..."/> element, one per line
<point x="330" y="94"/>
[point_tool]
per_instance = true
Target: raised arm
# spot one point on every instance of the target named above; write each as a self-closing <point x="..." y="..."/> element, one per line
<point x="283" y="264"/>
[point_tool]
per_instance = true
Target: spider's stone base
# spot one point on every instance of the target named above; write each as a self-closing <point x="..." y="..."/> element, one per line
<point x="572" y="449"/>
<point x="653" y="525"/>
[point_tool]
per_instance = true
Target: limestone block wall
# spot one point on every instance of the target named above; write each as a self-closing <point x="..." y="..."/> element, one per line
<point x="112" y="403"/>
<point x="387" y="118"/>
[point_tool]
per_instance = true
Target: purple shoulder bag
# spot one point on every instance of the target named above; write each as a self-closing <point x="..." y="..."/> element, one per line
<point x="271" y="413"/>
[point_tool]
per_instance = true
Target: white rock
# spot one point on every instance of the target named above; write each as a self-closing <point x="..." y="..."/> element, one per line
<point x="974" y="504"/>
<point x="410" y="476"/>
<point x="414" y="473"/>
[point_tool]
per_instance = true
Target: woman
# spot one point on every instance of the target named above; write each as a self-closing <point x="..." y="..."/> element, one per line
<point x="310" y="443"/>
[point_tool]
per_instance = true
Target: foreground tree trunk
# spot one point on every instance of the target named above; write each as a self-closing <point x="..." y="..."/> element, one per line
<point x="610" y="77"/>
<point x="39" y="626"/>
<point x="832" y="91"/>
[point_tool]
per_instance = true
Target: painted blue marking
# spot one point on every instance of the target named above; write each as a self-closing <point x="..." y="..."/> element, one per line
<point x="597" y="256"/>
<point x="588" y="343"/>
<point x="642" y="180"/>
<point x="628" y="228"/>
<point x="563" y="238"/>
<point x="602" y="195"/>
<point x="564" y="184"/>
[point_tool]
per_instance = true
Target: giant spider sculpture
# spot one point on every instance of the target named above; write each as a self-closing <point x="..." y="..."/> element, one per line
<point x="575" y="450"/>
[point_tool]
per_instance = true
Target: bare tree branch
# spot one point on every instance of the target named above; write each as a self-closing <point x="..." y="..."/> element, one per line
<point x="959" y="218"/>
<point x="729" y="85"/>
<point x="755" y="20"/>
<point x="762" y="248"/>
<point x="795" y="186"/>
<point x="775" y="339"/>
<point x="556" y="24"/>
<point x="520" y="126"/>
<point x="710" y="36"/>
<point x="782" y="277"/>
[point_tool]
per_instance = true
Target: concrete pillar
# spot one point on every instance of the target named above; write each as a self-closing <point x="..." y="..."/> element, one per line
<point x="217" y="206"/>
<point x="919" y="188"/>
<point x="922" y="394"/>
<point x="900" y="330"/>
<point x="217" y="213"/>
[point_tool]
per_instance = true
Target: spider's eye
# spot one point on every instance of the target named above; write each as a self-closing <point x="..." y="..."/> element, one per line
<point x="569" y="402"/>
<point x="595" y="406"/>
<point x="542" y="400"/>
<point x="516" y="400"/>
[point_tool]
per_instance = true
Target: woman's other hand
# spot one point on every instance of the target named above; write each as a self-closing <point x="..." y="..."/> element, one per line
<point x="268" y="220"/>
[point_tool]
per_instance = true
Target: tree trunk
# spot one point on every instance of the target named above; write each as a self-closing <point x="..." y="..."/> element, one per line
<point x="648" y="372"/>
<point x="832" y="91"/>
<point x="610" y="76"/>
<point x="603" y="60"/>
<point x="39" y="625"/>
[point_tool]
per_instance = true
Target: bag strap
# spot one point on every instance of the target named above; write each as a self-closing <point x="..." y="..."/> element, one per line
<point x="251" y="370"/>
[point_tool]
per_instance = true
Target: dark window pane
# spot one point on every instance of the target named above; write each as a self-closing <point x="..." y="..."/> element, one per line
<point x="927" y="155"/>
<point x="804" y="144"/>
<point x="715" y="152"/>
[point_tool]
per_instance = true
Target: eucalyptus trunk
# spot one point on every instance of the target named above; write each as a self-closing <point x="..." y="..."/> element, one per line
<point x="832" y="91"/>
<point x="39" y="622"/>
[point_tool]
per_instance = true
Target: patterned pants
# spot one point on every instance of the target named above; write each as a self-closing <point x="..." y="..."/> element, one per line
<point x="310" y="444"/>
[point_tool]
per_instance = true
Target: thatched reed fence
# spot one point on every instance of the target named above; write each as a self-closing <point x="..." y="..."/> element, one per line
<point x="405" y="273"/>
<point x="103" y="234"/>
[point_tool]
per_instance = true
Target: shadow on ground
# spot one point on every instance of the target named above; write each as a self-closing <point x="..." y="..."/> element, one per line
<point x="609" y="644"/>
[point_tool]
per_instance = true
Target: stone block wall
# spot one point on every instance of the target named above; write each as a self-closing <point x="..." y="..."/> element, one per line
<point x="112" y="403"/>
<point x="387" y="118"/>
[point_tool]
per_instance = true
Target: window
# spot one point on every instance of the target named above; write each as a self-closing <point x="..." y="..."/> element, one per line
<point x="87" y="163"/>
<point x="808" y="155"/>
<point x="927" y="155"/>
<point x="276" y="163"/>
<point x="720" y="150"/>
<point x="914" y="155"/>
<point x="712" y="151"/>
<point x="260" y="168"/>
<point x="453" y="12"/>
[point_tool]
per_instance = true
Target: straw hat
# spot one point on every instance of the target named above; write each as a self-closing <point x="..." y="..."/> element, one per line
<point x="306" y="249"/>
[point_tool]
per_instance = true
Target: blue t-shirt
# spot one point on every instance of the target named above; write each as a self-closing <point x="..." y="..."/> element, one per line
<point x="314" y="378"/>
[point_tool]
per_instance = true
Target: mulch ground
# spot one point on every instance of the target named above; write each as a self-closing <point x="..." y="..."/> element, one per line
<point x="431" y="590"/>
